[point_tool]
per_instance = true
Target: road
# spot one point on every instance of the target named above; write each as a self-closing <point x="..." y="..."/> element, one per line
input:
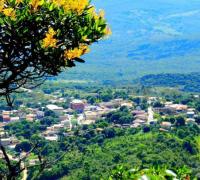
<point x="150" y="114"/>
<point x="25" y="173"/>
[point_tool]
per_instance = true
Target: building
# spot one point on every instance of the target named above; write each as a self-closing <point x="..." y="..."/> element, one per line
<point x="51" y="138"/>
<point x="90" y="115"/>
<point x="138" y="112"/>
<point x="127" y="104"/>
<point x="67" y="124"/>
<point x="77" y="105"/>
<point x="91" y="108"/>
<point x="6" y="118"/>
<point x="164" y="110"/>
<point x="39" y="114"/>
<point x="14" y="119"/>
<point x="166" y="125"/>
<point x="30" y="117"/>
<point x="190" y="121"/>
<point x="190" y="114"/>
<point x="11" y="141"/>
<point x="179" y="108"/>
<point x="58" y="110"/>
<point x="64" y="117"/>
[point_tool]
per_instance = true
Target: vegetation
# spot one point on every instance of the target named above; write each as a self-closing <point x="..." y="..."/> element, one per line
<point x="186" y="82"/>
<point x="40" y="38"/>
<point x="98" y="150"/>
<point x="128" y="148"/>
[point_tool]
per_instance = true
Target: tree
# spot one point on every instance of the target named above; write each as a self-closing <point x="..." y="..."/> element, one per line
<point x="158" y="104"/>
<point x="23" y="146"/>
<point x="40" y="38"/>
<point x="109" y="132"/>
<point x="180" y="121"/>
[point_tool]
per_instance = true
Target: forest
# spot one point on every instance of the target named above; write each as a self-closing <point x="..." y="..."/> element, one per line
<point x="185" y="82"/>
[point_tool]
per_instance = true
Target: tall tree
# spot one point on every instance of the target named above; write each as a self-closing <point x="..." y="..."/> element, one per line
<point x="40" y="38"/>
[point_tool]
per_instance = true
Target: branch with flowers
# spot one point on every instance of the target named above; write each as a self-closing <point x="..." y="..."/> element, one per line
<point x="40" y="38"/>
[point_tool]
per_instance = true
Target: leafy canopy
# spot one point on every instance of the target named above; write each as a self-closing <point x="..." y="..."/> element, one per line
<point x="39" y="38"/>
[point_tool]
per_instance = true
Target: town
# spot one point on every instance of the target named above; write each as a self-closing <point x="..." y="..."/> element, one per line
<point x="80" y="112"/>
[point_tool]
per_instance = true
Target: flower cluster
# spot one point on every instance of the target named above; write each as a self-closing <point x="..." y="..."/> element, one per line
<point x="76" y="52"/>
<point x="72" y="5"/>
<point x="49" y="40"/>
<point x="75" y="24"/>
<point x="35" y="4"/>
<point x="7" y="11"/>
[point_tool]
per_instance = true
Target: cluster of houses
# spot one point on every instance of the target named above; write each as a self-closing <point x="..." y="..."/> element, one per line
<point x="140" y="118"/>
<point x="175" y="109"/>
<point x="80" y="113"/>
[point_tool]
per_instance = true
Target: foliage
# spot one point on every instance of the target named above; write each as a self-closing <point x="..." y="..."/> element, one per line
<point x="95" y="159"/>
<point x="122" y="173"/>
<point x="186" y="82"/>
<point x="122" y="116"/>
<point x="39" y="38"/>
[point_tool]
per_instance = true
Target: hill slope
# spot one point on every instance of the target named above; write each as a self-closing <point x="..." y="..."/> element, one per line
<point x="149" y="36"/>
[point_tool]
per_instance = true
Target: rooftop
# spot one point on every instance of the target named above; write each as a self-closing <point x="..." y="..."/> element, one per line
<point x="54" y="107"/>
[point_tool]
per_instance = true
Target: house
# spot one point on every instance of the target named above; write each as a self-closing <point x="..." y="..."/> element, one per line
<point x="163" y="130"/>
<point x="90" y="115"/>
<point x="69" y="111"/>
<point x="67" y="124"/>
<point x="30" y="117"/>
<point x="190" y="121"/>
<point x="51" y="138"/>
<point x="164" y="110"/>
<point x="127" y="104"/>
<point x="190" y="114"/>
<point x="166" y="125"/>
<point x="142" y="117"/>
<point x="57" y="127"/>
<point x="135" y="125"/>
<point x="2" y="134"/>
<point x="139" y="121"/>
<point x="111" y="104"/>
<point x="179" y="108"/>
<point x="77" y="105"/>
<point x="138" y="112"/>
<point x="91" y="108"/>
<point x="14" y="119"/>
<point x="39" y="114"/>
<point x="63" y="118"/>
<point x="6" y="118"/>
<point x="11" y="141"/>
<point x="58" y="110"/>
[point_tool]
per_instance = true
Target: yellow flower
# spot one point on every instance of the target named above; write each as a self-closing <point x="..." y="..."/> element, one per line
<point x="76" y="52"/>
<point x="58" y="2"/>
<point x="72" y="5"/>
<point x="10" y="12"/>
<point x="49" y="40"/>
<point x="51" y="31"/>
<point x="93" y="13"/>
<point x="107" y="31"/>
<point x="101" y="13"/>
<point x="18" y="1"/>
<point x="2" y="5"/>
<point x="35" y="4"/>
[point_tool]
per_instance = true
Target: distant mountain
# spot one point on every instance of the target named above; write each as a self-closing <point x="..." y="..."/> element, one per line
<point x="149" y="36"/>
